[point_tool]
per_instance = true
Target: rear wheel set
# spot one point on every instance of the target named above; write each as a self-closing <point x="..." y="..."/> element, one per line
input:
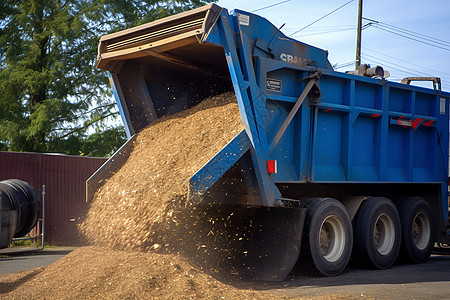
<point x="377" y="233"/>
<point x="418" y="230"/>
<point x="380" y="232"/>
<point x="328" y="238"/>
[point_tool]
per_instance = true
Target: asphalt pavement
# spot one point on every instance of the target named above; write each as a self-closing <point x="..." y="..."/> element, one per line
<point x="430" y="280"/>
<point x="18" y="259"/>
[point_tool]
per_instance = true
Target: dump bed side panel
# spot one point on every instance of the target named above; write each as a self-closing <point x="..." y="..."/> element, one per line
<point x="360" y="129"/>
<point x="374" y="130"/>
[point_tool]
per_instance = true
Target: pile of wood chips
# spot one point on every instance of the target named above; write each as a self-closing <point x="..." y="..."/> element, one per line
<point x="100" y="273"/>
<point x="133" y="217"/>
<point x="128" y="211"/>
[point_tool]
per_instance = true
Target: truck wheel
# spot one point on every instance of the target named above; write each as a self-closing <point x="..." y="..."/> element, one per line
<point x="377" y="233"/>
<point x="328" y="236"/>
<point x="417" y="229"/>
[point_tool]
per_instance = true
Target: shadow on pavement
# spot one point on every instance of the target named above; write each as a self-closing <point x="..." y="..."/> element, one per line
<point x="19" y="251"/>
<point x="435" y="270"/>
<point x="7" y="287"/>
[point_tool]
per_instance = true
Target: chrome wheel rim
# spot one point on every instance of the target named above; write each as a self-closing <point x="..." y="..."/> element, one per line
<point x="421" y="231"/>
<point x="332" y="238"/>
<point x="384" y="234"/>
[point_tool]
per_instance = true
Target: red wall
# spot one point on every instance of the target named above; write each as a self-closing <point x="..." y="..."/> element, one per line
<point x="64" y="178"/>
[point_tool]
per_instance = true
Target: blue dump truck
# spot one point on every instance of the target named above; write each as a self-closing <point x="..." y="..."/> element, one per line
<point x="340" y="163"/>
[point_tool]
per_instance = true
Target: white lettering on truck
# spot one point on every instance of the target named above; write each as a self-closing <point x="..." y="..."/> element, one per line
<point x="294" y="59"/>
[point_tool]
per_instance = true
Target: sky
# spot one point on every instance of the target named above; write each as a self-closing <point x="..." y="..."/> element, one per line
<point x="422" y="50"/>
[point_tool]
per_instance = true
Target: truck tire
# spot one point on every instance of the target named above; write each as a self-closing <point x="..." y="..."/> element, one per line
<point x="377" y="233"/>
<point x="417" y="230"/>
<point x="328" y="237"/>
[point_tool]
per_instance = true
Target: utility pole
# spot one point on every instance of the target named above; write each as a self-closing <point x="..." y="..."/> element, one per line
<point x="358" y="39"/>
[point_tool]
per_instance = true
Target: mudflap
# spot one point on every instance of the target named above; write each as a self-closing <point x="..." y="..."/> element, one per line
<point x="238" y="242"/>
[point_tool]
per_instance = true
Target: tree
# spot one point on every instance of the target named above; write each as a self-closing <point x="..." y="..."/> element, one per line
<point x="52" y="99"/>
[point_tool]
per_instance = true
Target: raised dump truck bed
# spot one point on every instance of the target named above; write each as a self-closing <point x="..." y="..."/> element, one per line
<point x="364" y="160"/>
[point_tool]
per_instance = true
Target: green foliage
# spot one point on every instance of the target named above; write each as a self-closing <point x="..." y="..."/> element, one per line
<point x="52" y="98"/>
<point x="100" y="144"/>
<point x="29" y="243"/>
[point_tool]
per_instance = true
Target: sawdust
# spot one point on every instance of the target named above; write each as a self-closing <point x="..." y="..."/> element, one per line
<point x="138" y="220"/>
<point x="138" y="216"/>
<point x="128" y="211"/>
<point x="99" y="273"/>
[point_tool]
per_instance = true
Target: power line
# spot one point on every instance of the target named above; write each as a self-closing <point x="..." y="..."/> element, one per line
<point x="325" y="27"/>
<point x="407" y="62"/>
<point x="444" y="83"/>
<point x="406" y="31"/>
<point x="272" y="5"/>
<point x="319" y="29"/>
<point x="322" y="17"/>
<point x="329" y="31"/>
<point x="441" y="44"/>
<point x="404" y="68"/>
<point x="344" y="65"/>
<point x="421" y="38"/>
<point x="401" y="68"/>
<point x="424" y="37"/>
<point x="411" y="38"/>
<point x="391" y="67"/>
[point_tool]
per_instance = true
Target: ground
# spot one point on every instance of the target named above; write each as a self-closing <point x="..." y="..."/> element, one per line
<point x="91" y="272"/>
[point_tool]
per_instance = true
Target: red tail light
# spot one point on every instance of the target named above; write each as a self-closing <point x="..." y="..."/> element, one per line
<point x="271" y="166"/>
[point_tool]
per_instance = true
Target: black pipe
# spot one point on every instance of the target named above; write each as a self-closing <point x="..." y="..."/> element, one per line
<point x="19" y="210"/>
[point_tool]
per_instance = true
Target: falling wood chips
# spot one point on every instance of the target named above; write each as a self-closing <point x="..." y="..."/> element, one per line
<point x="123" y="222"/>
<point x="127" y="210"/>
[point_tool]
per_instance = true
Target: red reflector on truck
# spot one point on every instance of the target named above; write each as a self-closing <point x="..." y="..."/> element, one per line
<point x="271" y="166"/>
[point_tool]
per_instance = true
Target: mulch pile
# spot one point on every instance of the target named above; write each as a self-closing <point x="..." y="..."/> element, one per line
<point x="99" y="273"/>
<point x="135" y="207"/>
<point x="135" y="222"/>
